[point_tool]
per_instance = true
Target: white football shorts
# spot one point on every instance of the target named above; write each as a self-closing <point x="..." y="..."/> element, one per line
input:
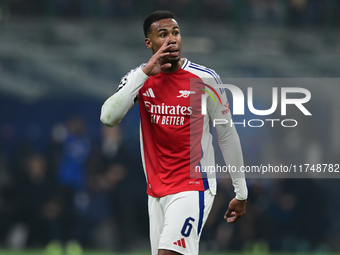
<point x="176" y="221"/>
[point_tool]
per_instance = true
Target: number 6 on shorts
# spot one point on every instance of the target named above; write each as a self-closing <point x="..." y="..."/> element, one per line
<point x="186" y="230"/>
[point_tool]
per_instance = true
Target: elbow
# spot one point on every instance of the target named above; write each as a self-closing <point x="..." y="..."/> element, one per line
<point x="112" y="112"/>
<point x="107" y="120"/>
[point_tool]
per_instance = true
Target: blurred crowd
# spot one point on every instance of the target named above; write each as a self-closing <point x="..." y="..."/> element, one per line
<point x="81" y="191"/>
<point x="271" y="12"/>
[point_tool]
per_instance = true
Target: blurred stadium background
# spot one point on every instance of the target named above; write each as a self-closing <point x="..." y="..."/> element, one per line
<point x="67" y="179"/>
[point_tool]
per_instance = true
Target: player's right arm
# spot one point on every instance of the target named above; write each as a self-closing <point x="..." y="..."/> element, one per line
<point x="116" y="106"/>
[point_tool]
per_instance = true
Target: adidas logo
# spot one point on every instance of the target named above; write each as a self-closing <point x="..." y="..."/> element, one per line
<point x="180" y="243"/>
<point x="149" y="93"/>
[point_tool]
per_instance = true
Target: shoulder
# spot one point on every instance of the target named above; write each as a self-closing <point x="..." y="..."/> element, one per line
<point x="125" y="78"/>
<point x="201" y="71"/>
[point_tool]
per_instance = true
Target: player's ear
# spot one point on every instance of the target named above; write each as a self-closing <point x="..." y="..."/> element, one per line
<point x="148" y="43"/>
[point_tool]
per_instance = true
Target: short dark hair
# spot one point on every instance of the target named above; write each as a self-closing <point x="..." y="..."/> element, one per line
<point x="156" y="16"/>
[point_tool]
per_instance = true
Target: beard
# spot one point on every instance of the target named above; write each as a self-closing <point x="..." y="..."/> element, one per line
<point x="174" y="61"/>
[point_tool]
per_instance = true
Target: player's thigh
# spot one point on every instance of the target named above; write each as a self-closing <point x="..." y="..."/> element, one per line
<point x="184" y="216"/>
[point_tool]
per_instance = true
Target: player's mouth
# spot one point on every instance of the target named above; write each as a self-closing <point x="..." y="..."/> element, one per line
<point x="174" y="53"/>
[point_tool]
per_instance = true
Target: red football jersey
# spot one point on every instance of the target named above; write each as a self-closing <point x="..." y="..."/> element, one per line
<point x="165" y="125"/>
<point x="172" y="127"/>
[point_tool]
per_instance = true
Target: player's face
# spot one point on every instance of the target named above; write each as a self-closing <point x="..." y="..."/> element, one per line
<point x="160" y="30"/>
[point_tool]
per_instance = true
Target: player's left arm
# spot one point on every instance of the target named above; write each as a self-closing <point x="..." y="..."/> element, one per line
<point x="230" y="146"/>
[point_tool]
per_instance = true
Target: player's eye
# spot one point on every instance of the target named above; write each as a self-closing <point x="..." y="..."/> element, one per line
<point x="162" y="35"/>
<point x="175" y="33"/>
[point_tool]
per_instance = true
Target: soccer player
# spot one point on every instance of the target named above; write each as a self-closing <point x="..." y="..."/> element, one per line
<point x="175" y="139"/>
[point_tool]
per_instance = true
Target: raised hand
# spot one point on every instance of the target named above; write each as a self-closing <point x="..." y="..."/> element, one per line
<point x="155" y="65"/>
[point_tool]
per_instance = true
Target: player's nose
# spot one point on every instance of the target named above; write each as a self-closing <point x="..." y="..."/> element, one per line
<point x="173" y="39"/>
